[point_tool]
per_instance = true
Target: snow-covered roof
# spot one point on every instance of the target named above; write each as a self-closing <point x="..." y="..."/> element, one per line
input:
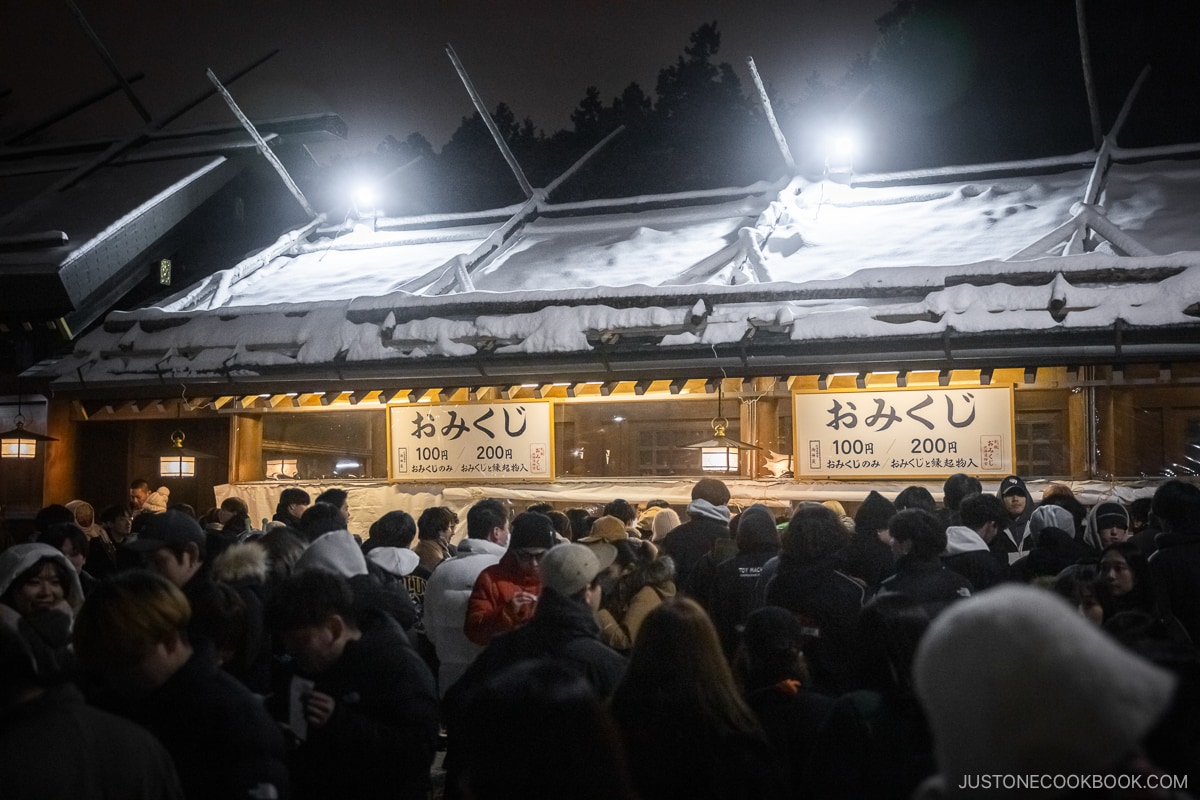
<point x="78" y="220"/>
<point x="1074" y="266"/>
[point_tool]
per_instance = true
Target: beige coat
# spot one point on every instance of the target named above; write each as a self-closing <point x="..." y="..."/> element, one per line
<point x="620" y="634"/>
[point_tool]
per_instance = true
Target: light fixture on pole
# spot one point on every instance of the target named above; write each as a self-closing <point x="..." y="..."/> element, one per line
<point x="20" y="443"/>
<point x="720" y="453"/>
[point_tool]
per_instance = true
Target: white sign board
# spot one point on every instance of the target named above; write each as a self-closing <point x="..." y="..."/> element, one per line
<point x="904" y="433"/>
<point x="471" y="441"/>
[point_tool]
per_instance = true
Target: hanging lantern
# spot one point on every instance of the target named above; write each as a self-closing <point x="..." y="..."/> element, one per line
<point x="720" y="453"/>
<point x="20" y="443"/>
<point x="179" y="461"/>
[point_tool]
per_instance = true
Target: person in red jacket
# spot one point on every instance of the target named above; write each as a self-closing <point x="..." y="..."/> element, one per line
<point x="505" y="594"/>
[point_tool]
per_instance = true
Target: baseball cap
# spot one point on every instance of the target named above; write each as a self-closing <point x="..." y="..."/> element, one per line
<point x="569" y="568"/>
<point x="172" y="529"/>
<point x="1012" y="484"/>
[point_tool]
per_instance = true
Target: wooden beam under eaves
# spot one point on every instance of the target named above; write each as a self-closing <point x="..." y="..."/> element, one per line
<point x="222" y="401"/>
<point x="401" y="396"/>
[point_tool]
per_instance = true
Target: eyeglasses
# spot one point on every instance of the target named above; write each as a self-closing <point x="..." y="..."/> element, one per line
<point x="530" y="555"/>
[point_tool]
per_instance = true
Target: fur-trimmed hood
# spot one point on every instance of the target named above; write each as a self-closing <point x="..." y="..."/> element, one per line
<point x="244" y="561"/>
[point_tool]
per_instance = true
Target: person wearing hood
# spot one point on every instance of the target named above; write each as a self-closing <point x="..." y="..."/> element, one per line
<point x="869" y="556"/>
<point x="505" y="595"/>
<point x="1019" y="504"/>
<point x="982" y="516"/>
<point x="449" y="588"/>
<point x="39" y="596"/>
<point x="708" y="521"/>
<point x="85" y="518"/>
<point x="1048" y="546"/>
<point x="999" y="676"/>
<point x="391" y="559"/>
<point x="338" y="552"/>
<point x="1107" y="523"/>
<point x="733" y="589"/>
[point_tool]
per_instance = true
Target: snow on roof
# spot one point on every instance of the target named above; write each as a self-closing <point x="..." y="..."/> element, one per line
<point x="803" y="261"/>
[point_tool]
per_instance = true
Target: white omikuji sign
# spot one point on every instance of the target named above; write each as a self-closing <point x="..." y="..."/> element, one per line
<point x="904" y="433"/>
<point x="471" y="441"/>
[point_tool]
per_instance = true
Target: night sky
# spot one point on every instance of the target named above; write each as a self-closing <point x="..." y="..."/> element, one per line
<point x="381" y="63"/>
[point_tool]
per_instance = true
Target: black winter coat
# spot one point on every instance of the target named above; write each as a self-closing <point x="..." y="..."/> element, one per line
<point x="732" y="597"/>
<point x="927" y="582"/>
<point x="380" y="741"/>
<point x="827" y="601"/>
<point x="689" y="543"/>
<point x="1175" y="567"/>
<point x="223" y="742"/>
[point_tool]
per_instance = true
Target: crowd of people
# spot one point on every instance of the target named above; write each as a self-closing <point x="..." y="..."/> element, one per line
<point x="914" y="648"/>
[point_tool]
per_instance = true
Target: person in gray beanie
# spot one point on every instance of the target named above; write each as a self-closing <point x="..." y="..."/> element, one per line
<point x="1018" y="686"/>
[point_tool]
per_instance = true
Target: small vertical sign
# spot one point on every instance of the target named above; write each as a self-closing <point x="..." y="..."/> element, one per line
<point x="164" y="272"/>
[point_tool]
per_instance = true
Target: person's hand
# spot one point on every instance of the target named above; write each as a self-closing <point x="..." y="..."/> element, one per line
<point x="318" y="708"/>
<point x="523" y="602"/>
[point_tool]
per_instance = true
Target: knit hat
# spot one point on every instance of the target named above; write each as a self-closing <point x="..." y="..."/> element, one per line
<point x="1014" y="682"/>
<point x="606" y="529"/>
<point x="568" y="568"/>
<point x="1111" y="515"/>
<point x="335" y="552"/>
<point x="1050" y="516"/>
<point x="712" y="490"/>
<point x="874" y="514"/>
<point x="1012" y="485"/>
<point x="756" y="525"/>
<point x="665" y="521"/>
<point x="530" y="529"/>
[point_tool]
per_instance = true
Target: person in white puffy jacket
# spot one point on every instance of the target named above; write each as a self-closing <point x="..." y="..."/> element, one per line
<point x="449" y="588"/>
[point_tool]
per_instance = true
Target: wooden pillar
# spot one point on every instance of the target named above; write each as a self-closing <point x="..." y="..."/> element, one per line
<point x="59" y="479"/>
<point x="245" y="448"/>
<point x="764" y="433"/>
<point x="1077" y="434"/>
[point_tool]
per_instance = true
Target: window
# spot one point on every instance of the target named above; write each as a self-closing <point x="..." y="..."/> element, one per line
<point x="346" y="444"/>
<point x="635" y="439"/>
<point x="1041" y="444"/>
